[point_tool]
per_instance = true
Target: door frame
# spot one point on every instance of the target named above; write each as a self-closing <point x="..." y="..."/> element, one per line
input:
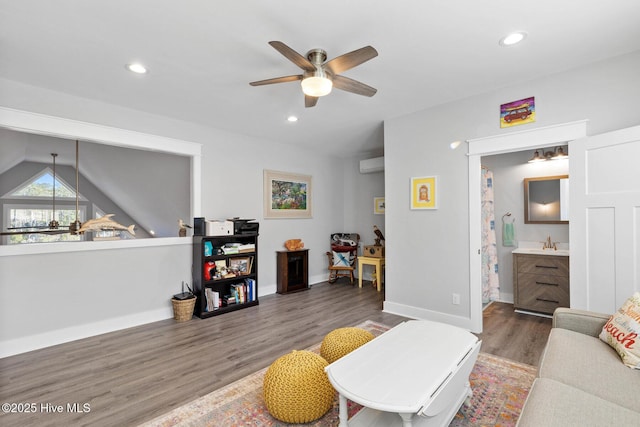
<point x="532" y="139"/>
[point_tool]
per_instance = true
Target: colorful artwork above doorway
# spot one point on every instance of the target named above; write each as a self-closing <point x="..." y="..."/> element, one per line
<point x="518" y="112"/>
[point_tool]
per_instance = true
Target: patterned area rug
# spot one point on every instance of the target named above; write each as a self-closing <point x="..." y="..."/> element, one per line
<point x="500" y="387"/>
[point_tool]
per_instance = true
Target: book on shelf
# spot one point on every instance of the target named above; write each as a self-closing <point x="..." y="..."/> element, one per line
<point x="212" y="298"/>
<point x="230" y="248"/>
<point x="248" y="247"/>
<point x="251" y="289"/>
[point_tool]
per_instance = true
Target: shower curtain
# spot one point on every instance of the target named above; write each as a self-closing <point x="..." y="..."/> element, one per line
<point x="490" y="281"/>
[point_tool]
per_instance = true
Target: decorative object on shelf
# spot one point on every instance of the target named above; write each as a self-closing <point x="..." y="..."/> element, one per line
<point x="379" y="235"/>
<point x="378" y="205"/>
<point x="105" y="223"/>
<point x="286" y="195"/>
<point x="294" y="244"/>
<point x="424" y="192"/>
<point x="182" y="228"/>
<point x="296" y="389"/>
<point x="518" y="112"/>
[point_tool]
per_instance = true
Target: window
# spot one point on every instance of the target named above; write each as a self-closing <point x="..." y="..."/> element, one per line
<point x="42" y="187"/>
<point x="31" y="205"/>
<point x="38" y="215"/>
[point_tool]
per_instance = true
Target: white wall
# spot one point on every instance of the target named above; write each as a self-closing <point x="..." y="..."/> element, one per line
<point x="46" y="299"/>
<point x="427" y="251"/>
<point x="509" y="171"/>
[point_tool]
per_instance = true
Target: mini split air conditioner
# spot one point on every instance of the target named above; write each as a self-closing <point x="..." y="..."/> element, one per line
<point x="372" y="165"/>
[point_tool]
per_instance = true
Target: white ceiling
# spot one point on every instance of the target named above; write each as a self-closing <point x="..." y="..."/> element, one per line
<point x="203" y="54"/>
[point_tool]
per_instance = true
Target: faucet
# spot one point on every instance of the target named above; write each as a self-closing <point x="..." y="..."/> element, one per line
<point x="549" y="245"/>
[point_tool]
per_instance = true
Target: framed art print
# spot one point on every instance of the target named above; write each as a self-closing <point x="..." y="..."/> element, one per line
<point x="424" y="192"/>
<point x="518" y="112"/>
<point x="286" y="195"/>
<point x="378" y="205"/>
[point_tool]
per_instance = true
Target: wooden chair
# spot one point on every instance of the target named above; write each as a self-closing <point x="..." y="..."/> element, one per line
<point x="343" y="256"/>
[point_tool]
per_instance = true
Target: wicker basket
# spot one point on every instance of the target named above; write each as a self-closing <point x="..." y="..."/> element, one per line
<point x="183" y="309"/>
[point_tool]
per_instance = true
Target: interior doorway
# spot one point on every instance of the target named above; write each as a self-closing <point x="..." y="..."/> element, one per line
<point x="510" y="225"/>
<point x="500" y="144"/>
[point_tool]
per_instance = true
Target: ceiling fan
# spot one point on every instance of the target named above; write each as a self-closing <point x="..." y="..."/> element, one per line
<point x="319" y="77"/>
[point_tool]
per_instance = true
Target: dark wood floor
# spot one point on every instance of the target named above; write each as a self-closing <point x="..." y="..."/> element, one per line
<point x="130" y="376"/>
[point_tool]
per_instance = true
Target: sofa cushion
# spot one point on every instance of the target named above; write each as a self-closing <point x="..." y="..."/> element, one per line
<point x="553" y="404"/>
<point x="622" y="329"/>
<point x="587" y="363"/>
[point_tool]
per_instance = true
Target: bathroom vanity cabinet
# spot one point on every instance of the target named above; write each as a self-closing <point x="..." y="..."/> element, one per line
<point x="541" y="282"/>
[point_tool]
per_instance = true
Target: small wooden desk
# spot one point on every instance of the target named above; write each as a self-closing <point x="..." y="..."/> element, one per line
<point x="378" y="263"/>
<point x="416" y="374"/>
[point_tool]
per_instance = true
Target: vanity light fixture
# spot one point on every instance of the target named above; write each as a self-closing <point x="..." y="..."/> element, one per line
<point x="542" y="156"/>
<point x="559" y="154"/>
<point x="537" y="157"/>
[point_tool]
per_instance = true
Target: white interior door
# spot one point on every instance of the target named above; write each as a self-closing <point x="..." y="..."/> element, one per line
<point x="604" y="180"/>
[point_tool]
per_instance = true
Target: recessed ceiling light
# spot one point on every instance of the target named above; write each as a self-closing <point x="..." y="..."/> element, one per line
<point x="137" y="68"/>
<point x="513" y="38"/>
<point x="292" y="119"/>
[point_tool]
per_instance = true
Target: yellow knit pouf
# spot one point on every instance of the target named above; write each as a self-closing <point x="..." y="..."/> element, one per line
<point x="343" y="341"/>
<point x="296" y="388"/>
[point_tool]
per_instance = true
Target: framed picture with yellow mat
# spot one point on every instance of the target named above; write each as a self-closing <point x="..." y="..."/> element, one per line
<point x="424" y="192"/>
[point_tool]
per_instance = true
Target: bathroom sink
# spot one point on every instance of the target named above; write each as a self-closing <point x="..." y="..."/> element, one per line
<point x="540" y="251"/>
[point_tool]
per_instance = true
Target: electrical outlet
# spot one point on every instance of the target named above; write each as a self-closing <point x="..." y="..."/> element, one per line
<point x="456" y="299"/>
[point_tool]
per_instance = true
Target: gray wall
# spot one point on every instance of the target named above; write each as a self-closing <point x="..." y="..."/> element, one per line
<point x="428" y="251"/>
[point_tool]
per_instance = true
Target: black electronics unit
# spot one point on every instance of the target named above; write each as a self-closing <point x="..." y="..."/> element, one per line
<point x="244" y="226"/>
<point x="199" y="226"/>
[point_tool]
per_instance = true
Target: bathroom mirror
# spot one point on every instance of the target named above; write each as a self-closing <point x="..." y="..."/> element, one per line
<point x="546" y="200"/>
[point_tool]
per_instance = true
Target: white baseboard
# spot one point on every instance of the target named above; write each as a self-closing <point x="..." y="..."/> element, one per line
<point x="47" y="339"/>
<point x="424" y="314"/>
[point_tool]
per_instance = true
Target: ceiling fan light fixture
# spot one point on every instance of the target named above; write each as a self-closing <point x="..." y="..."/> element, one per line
<point x="316" y="85"/>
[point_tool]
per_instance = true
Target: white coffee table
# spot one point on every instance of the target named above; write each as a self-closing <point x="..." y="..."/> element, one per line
<point x="414" y="374"/>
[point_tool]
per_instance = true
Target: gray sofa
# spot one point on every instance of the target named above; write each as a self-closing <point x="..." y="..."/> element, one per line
<point x="581" y="380"/>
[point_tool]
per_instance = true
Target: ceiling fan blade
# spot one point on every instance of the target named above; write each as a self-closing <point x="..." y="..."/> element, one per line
<point x="310" y="101"/>
<point x="283" y="79"/>
<point x="11" y="233"/>
<point x="353" y="86"/>
<point x="293" y="56"/>
<point x="349" y="60"/>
